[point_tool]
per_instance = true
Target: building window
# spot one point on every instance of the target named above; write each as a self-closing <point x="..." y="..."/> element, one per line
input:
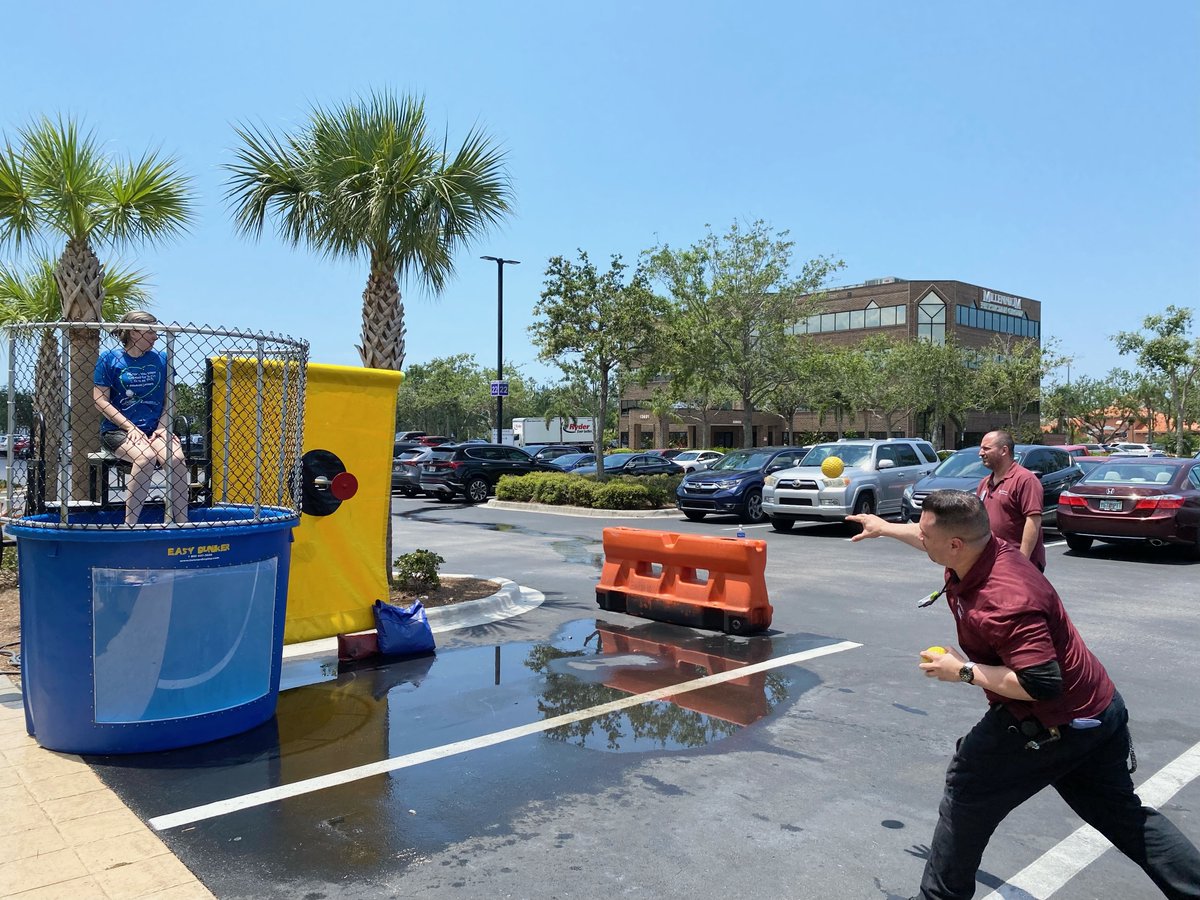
<point x="931" y="319"/>
<point x="970" y="317"/>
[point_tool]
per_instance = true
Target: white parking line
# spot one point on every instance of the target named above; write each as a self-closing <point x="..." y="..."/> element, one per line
<point x="1073" y="854"/>
<point x="333" y="779"/>
<point x="748" y="527"/>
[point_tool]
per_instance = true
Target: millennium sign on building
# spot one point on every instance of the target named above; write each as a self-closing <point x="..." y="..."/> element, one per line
<point x="900" y="308"/>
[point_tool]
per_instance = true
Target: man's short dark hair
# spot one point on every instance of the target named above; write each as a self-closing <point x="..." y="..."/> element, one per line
<point x="960" y="513"/>
<point x="1005" y="439"/>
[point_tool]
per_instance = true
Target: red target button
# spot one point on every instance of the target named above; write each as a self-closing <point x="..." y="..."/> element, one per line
<point x="344" y="486"/>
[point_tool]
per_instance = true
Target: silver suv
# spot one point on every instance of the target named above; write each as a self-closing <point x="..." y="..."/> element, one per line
<point x="873" y="481"/>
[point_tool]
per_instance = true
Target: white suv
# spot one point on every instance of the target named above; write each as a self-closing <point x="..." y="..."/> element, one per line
<point x="873" y="481"/>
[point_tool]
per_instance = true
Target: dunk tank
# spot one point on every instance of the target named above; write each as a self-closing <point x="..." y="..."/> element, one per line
<point x="154" y="635"/>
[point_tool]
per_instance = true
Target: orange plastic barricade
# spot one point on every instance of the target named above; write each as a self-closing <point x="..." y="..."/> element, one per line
<point x="658" y="575"/>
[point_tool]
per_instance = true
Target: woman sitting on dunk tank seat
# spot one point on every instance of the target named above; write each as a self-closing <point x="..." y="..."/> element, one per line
<point x="130" y="391"/>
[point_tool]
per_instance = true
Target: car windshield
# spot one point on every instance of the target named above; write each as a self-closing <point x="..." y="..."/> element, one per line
<point x="963" y="464"/>
<point x="411" y="454"/>
<point x="742" y="460"/>
<point x="441" y="454"/>
<point x="851" y="455"/>
<point x="687" y="456"/>
<point x="1127" y="473"/>
<point x="616" y="460"/>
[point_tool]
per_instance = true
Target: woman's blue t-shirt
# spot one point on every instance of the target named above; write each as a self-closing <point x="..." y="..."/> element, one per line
<point x="136" y="386"/>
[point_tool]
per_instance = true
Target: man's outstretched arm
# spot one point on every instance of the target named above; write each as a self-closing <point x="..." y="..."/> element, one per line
<point x="873" y="527"/>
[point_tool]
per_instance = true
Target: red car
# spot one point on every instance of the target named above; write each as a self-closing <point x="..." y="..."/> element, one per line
<point x="1134" y="499"/>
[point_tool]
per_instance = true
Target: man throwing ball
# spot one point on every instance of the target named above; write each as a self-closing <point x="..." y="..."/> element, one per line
<point x="1054" y="717"/>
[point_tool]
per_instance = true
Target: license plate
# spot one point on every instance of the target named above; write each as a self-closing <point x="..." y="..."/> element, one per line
<point x="1110" y="506"/>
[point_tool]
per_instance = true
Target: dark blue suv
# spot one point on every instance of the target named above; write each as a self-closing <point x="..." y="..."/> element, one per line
<point x="733" y="485"/>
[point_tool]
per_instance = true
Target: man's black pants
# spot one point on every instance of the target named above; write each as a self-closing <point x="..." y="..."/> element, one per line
<point x="992" y="774"/>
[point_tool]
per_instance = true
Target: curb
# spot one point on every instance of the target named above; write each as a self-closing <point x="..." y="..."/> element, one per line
<point x="510" y="600"/>
<point x="583" y="510"/>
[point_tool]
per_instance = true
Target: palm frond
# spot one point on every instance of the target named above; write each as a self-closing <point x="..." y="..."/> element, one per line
<point x="18" y="212"/>
<point x="270" y="177"/>
<point x="149" y="200"/>
<point x="67" y="175"/>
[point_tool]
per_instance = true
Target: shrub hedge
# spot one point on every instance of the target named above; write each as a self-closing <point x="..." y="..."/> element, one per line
<point x="624" y="492"/>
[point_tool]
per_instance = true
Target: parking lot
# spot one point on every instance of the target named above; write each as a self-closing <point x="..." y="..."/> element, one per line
<point x="514" y="765"/>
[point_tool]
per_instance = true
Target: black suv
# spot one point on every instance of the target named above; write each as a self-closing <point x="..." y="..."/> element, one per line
<point x="473" y="469"/>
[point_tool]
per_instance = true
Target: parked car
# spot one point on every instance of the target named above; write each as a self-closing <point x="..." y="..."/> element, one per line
<point x="697" y="460"/>
<point x="433" y="440"/>
<point x="666" y="452"/>
<point x="409" y="435"/>
<point x="1129" y="500"/>
<point x="551" y="452"/>
<point x="573" y="461"/>
<point x="1127" y="448"/>
<point x="733" y="485"/>
<point x="1055" y="468"/>
<point x="20" y="446"/>
<point x="873" y="481"/>
<point x="473" y="469"/>
<point x="406" y="470"/>
<point x="632" y="464"/>
<point x="1077" y="449"/>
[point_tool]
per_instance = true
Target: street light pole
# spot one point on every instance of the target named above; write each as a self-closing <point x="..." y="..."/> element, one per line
<point x="500" y="262"/>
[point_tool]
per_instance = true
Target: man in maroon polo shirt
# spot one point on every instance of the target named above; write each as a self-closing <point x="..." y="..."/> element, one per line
<point x="1013" y="497"/>
<point x="1055" y="718"/>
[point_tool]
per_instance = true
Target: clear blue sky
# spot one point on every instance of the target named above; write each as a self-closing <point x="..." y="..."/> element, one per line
<point x="1048" y="149"/>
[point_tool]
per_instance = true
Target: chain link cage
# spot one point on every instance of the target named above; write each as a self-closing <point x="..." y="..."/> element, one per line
<point x="233" y="401"/>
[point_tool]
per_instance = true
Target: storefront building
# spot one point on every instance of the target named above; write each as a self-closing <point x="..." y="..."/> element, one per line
<point x="896" y="307"/>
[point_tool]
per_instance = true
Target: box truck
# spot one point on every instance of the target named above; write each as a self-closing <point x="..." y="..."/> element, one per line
<point x="559" y="430"/>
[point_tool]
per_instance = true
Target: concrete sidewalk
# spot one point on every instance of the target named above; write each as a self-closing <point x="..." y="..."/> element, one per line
<point x="64" y="834"/>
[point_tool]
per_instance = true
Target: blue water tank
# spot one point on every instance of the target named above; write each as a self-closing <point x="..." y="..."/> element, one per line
<point x="150" y="639"/>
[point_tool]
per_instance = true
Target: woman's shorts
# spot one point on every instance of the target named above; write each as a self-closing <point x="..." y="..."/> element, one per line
<point x="111" y="440"/>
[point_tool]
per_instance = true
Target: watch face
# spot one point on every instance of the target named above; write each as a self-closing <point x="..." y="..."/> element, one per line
<point x="967" y="673"/>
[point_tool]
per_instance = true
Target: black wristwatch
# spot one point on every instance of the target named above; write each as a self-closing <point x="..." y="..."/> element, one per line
<point x="967" y="673"/>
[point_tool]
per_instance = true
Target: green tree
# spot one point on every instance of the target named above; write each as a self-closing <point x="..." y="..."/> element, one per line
<point x="944" y="375"/>
<point x="739" y="291"/>
<point x="57" y="183"/>
<point x="1165" y="348"/>
<point x="370" y="178"/>
<point x="593" y="325"/>
<point x="1010" y="374"/>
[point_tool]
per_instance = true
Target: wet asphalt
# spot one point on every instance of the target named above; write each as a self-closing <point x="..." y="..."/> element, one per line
<point x="814" y="779"/>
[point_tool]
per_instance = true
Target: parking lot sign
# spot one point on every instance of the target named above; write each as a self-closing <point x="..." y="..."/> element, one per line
<point x="499" y="388"/>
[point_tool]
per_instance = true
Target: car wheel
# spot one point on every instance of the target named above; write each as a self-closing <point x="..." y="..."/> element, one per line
<point x="782" y="525"/>
<point x="477" y="490"/>
<point x="865" y="505"/>
<point x="408" y="492"/>
<point x="693" y="515"/>
<point x="753" y="511"/>
<point x="1078" y="542"/>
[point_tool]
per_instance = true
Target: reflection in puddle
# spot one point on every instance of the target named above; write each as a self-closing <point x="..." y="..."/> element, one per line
<point x="615" y="661"/>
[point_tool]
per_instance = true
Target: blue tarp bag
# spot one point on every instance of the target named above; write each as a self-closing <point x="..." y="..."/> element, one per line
<point x="403" y="631"/>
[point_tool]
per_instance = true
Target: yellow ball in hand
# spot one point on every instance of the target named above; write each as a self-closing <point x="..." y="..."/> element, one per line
<point x="832" y="467"/>
<point x="935" y="649"/>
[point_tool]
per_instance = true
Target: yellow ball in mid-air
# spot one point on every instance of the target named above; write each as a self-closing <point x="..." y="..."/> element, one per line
<point x="832" y="467"/>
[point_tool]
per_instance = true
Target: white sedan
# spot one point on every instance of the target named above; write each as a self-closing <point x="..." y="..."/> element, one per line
<point x="697" y="460"/>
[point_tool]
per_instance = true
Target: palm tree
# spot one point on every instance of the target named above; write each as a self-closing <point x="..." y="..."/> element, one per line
<point x="57" y="183"/>
<point x="369" y="179"/>
<point x="32" y="295"/>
